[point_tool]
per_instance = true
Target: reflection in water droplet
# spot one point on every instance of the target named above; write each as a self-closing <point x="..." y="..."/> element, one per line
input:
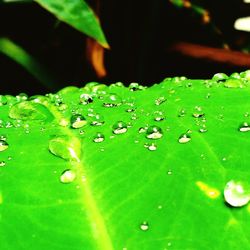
<point x="144" y="226"/>
<point x="78" y="121"/>
<point x="160" y="100"/>
<point x="120" y="128"/>
<point x="182" y="113"/>
<point x="3" y="145"/>
<point x="154" y="132"/>
<point x="184" y="138"/>
<point x="150" y="146"/>
<point x="66" y="147"/>
<point x="99" y="137"/>
<point x="2" y="163"/>
<point x="237" y="194"/>
<point x="244" y="127"/>
<point x="67" y="176"/>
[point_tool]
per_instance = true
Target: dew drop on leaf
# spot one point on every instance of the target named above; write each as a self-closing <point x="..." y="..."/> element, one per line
<point x="150" y="146"/>
<point x="3" y="100"/>
<point x="112" y="100"/>
<point x="182" y="113"/>
<point x="97" y="120"/>
<point x="244" y="127"/>
<point x="78" y="121"/>
<point x="66" y="147"/>
<point x="120" y="127"/>
<point x="99" y="137"/>
<point x="86" y="99"/>
<point x="220" y="77"/>
<point x="2" y="163"/>
<point x="184" y="138"/>
<point x="144" y="226"/>
<point x="67" y="176"/>
<point x="236" y="194"/>
<point x="154" y="132"/>
<point x="3" y="145"/>
<point x="160" y="100"/>
<point x="28" y="110"/>
<point x="159" y="116"/>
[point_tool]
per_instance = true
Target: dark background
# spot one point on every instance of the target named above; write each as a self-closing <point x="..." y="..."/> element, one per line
<point x="139" y="34"/>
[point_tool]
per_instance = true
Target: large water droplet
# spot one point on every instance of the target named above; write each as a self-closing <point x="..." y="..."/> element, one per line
<point x="244" y="127"/>
<point x="78" y="121"/>
<point x="28" y="110"/>
<point x="86" y="99"/>
<point x="144" y="226"/>
<point x="220" y="77"/>
<point x="67" y="176"/>
<point x="3" y="145"/>
<point x="120" y="128"/>
<point x="237" y="194"/>
<point x="154" y="132"/>
<point x="184" y="138"/>
<point x="66" y="147"/>
<point x="99" y="137"/>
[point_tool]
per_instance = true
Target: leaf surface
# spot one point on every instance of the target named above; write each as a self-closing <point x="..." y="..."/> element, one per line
<point x="61" y="190"/>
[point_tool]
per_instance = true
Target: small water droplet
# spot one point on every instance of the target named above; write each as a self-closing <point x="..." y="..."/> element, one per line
<point x="237" y="194"/>
<point x="134" y="86"/>
<point x="67" y="176"/>
<point x="150" y="146"/>
<point x="142" y="130"/>
<point x="203" y="129"/>
<point x="154" y="132"/>
<point x="144" y="226"/>
<point x="2" y="163"/>
<point x="182" y="113"/>
<point x="169" y="172"/>
<point x="120" y="127"/>
<point x="97" y="120"/>
<point x="244" y="127"/>
<point x="112" y="100"/>
<point x="160" y="100"/>
<point x="66" y="147"/>
<point x="3" y="100"/>
<point x="246" y="114"/>
<point x="86" y="99"/>
<point x="234" y="83"/>
<point x="99" y="137"/>
<point x="184" y="138"/>
<point x="3" y="145"/>
<point x="159" y="116"/>
<point x="78" y="121"/>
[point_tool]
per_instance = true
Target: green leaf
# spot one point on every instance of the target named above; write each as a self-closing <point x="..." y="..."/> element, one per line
<point x="79" y="15"/>
<point x="135" y="168"/>
<point x="22" y="57"/>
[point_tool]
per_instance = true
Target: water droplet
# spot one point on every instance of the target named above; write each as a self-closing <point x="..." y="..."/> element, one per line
<point x="233" y="83"/>
<point x="142" y="130"/>
<point x="134" y="86"/>
<point x="220" y="77"/>
<point x="2" y="163"/>
<point x="28" y="110"/>
<point x="99" y="137"/>
<point x="144" y="226"/>
<point x="169" y="172"/>
<point x="67" y="176"/>
<point x="235" y="75"/>
<point x="3" y="145"/>
<point x="184" y="138"/>
<point x="78" y="121"/>
<point x="154" y="132"/>
<point x="159" y="116"/>
<point x="112" y="100"/>
<point x="246" y="114"/>
<point x="244" y="127"/>
<point x="160" y="100"/>
<point x="203" y="129"/>
<point x="22" y="97"/>
<point x="237" y="194"/>
<point x="150" y="146"/>
<point x="66" y="147"/>
<point x="182" y="113"/>
<point x="86" y="99"/>
<point x="97" y="120"/>
<point x="120" y="128"/>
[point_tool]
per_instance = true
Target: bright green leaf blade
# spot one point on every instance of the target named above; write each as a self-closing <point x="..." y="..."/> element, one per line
<point x="22" y="57"/>
<point x="60" y="190"/>
<point x="79" y="15"/>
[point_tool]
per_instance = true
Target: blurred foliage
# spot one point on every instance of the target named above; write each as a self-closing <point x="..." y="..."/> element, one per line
<point x="139" y="34"/>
